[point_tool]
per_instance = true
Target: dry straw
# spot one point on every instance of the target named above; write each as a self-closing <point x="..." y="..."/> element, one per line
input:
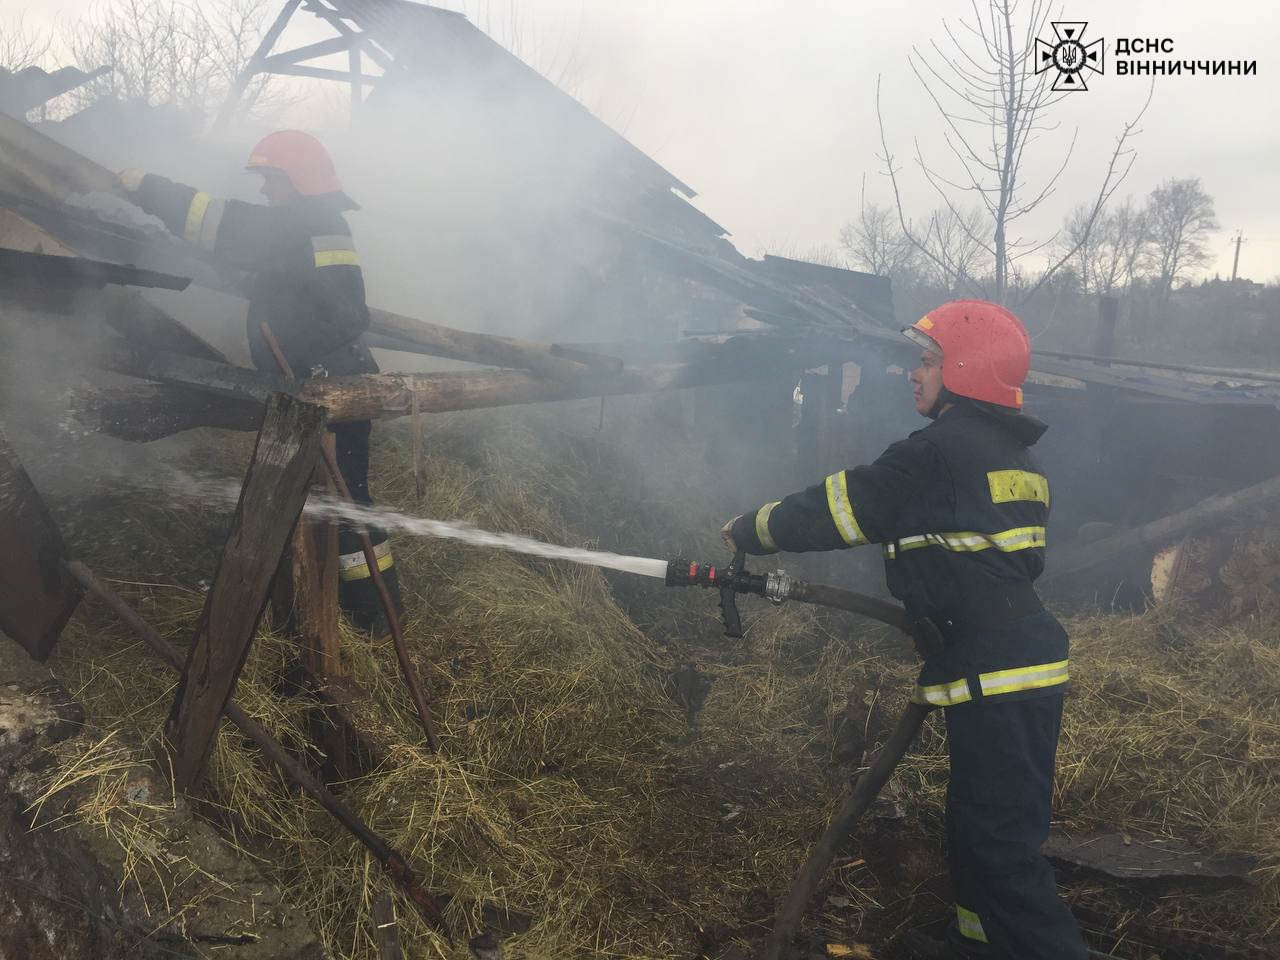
<point x="570" y="787"/>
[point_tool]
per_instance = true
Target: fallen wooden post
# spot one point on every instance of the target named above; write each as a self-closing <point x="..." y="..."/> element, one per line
<point x="856" y="802"/>
<point x="198" y="393"/>
<point x="393" y="862"/>
<point x="271" y="499"/>
<point x="1158" y="533"/>
<point x="36" y="597"/>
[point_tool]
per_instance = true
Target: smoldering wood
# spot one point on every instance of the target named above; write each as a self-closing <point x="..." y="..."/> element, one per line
<point x="1158" y="533"/>
<point x="271" y="500"/>
<point x="37" y="598"/>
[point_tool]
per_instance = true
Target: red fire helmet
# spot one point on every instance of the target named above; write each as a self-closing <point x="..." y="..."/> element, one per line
<point x="985" y="349"/>
<point x="300" y="157"/>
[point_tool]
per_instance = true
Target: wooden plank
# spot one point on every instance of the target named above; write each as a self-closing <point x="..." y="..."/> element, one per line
<point x="36" y="595"/>
<point x="271" y="499"/>
<point x="315" y="586"/>
<point x="388" y="930"/>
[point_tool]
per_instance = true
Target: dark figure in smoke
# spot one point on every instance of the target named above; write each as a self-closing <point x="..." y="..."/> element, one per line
<point x="960" y="508"/>
<point x="305" y="283"/>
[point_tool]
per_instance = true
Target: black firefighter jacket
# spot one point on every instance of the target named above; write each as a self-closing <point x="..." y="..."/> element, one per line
<point x="959" y="509"/>
<point x="304" y="275"/>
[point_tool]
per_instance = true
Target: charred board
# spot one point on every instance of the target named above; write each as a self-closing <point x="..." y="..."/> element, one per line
<point x="36" y="595"/>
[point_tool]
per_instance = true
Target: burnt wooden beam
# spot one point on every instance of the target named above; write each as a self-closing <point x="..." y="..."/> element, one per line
<point x="37" y="597"/>
<point x="435" y="340"/>
<point x="222" y="379"/>
<point x="271" y="500"/>
<point x="1158" y="533"/>
<point x="149" y="411"/>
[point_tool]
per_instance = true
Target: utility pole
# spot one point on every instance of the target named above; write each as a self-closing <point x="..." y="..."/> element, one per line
<point x="1235" y="264"/>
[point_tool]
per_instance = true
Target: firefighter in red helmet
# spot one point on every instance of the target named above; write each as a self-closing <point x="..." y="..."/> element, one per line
<point x="304" y="280"/>
<point x="959" y="509"/>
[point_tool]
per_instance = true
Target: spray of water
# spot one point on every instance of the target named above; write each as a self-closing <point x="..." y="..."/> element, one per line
<point x="392" y="521"/>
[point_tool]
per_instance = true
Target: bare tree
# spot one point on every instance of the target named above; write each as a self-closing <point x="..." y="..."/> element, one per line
<point x="956" y="260"/>
<point x="171" y="52"/>
<point x="876" y="242"/>
<point x="1181" y="216"/>
<point x="994" y="107"/>
<point x="21" y="47"/>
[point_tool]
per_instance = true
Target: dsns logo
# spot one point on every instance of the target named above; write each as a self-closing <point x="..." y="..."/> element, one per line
<point x="1070" y="56"/>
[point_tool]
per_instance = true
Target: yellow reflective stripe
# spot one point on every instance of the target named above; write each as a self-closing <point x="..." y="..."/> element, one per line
<point x="195" y="217"/>
<point x="1006" y="541"/>
<point x="1023" y="678"/>
<point x="352" y="566"/>
<point x="943" y="694"/>
<point x="209" y="228"/>
<point x="333" y="258"/>
<point x="762" y="526"/>
<point x="970" y="925"/>
<point x="841" y="511"/>
<point x="890" y="551"/>
<point x="1010" y="485"/>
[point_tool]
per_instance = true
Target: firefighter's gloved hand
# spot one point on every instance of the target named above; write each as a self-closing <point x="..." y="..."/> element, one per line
<point x="129" y="182"/>
<point x="726" y="534"/>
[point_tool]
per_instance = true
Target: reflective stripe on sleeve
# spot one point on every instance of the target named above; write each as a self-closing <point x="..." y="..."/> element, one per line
<point x="352" y="566"/>
<point x="1006" y="541"/>
<point x="195" y="217"/>
<point x="943" y="694"/>
<point x="1023" y="678"/>
<point x="1008" y="486"/>
<point x="842" y="511"/>
<point x="334" y="249"/>
<point x="762" y="526"/>
<point x="969" y="924"/>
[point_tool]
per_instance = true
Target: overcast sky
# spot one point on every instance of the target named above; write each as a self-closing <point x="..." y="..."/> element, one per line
<point x="767" y="107"/>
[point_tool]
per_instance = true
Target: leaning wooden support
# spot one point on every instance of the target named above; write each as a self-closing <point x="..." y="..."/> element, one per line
<point x="36" y="598"/>
<point x="856" y="802"/>
<point x="392" y="862"/>
<point x="419" y="336"/>
<point x="274" y="491"/>
<point x="1159" y="533"/>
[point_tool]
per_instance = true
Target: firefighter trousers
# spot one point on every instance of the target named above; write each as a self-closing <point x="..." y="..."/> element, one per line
<point x="357" y="594"/>
<point x="998" y="808"/>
